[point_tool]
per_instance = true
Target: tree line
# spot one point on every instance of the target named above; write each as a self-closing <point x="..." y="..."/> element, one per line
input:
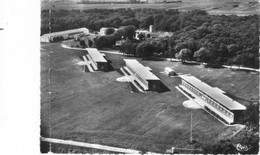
<point x="214" y="39"/>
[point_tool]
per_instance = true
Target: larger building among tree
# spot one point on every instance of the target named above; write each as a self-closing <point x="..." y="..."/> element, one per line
<point x="212" y="99"/>
<point x="62" y="35"/>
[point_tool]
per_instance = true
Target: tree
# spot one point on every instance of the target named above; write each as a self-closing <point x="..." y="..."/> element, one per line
<point x="105" y="41"/>
<point x="184" y="54"/>
<point x="120" y="34"/>
<point x="180" y="46"/>
<point x="90" y="43"/>
<point x="133" y="48"/>
<point x="250" y="142"/>
<point x="109" y="31"/>
<point x="222" y="52"/>
<point x="251" y="115"/>
<point x="125" y="32"/>
<point x="130" y="31"/>
<point x="140" y="36"/>
<point x="221" y="147"/>
<point x="232" y="49"/>
<point x="202" y="54"/>
<point x="131" y="21"/>
<point x="146" y="22"/>
<point x="144" y="50"/>
<point x="82" y="43"/>
<point x="127" y="47"/>
<point x="172" y="52"/>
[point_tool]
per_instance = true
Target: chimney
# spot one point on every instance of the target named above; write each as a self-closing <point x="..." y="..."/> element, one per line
<point x="151" y="28"/>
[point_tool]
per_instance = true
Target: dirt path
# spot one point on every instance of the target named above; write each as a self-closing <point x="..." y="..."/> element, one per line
<point x="88" y="145"/>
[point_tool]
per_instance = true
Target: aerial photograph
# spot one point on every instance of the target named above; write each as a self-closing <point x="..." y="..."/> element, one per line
<point x="149" y="76"/>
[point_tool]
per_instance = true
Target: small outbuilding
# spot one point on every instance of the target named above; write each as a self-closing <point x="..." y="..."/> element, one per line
<point x="169" y="71"/>
<point x="143" y="75"/>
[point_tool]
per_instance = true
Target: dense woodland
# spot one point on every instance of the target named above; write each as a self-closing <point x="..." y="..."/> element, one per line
<point x="217" y="40"/>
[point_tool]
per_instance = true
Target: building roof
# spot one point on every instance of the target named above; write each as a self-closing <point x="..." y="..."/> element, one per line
<point x="104" y="28"/>
<point x="142" y="31"/>
<point x="213" y="92"/>
<point x="142" y="71"/>
<point x="79" y="30"/>
<point x="96" y="55"/>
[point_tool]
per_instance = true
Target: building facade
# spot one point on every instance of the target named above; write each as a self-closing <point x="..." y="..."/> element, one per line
<point x="143" y="75"/>
<point x="215" y="101"/>
<point x="63" y="35"/>
<point x="98" y="61"/>
<point x="143" y="32"/>
<point x="103" y="30"/>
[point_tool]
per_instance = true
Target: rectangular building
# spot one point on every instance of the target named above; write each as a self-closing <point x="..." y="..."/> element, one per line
<point x="215" y="101"/>
<point x="143" y="32"/>
<point x="143" y="75"/>
<point x="100" y="63"/>
<point x="62" y="35"/>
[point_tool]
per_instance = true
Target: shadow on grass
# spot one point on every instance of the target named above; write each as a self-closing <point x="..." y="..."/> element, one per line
<point x="119" y="71"/>
<point x="129" y="56"/>
<point x="80" y="53"/>
<point x="163" y="88"/>
<point x="244" y="70"/>
<point x="109" y="66"/>
<point x="190" y="63"/>
<point x="154" y="59"/>
<point x="81" y="58"/>
<point x="133" y="88"/>
<point x="215" y="66"/>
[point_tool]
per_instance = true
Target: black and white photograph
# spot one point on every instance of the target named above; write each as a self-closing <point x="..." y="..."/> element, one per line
<point x="149" y="76"/>
<point x="131" y="76"/>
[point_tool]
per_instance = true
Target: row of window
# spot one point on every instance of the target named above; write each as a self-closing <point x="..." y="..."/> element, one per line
<point x="216" y="115"/>
<point x="208" y="99"/>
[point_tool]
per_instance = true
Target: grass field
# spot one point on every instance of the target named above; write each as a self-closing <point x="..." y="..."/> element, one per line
<point x="95" y="108"/>
<point x="212" y="6"/>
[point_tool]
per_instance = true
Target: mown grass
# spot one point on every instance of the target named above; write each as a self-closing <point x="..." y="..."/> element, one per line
<point x="95" y="108"/>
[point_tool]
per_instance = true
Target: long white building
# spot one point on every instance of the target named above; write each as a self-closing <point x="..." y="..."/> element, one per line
<point x="97" y="59"/>
<point x="62" y="35"/>
<point x="143" y="75"/>
<point x="212" y="99"/>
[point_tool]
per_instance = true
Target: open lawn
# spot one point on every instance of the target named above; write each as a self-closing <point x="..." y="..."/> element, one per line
<point x="95" y="108"/>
